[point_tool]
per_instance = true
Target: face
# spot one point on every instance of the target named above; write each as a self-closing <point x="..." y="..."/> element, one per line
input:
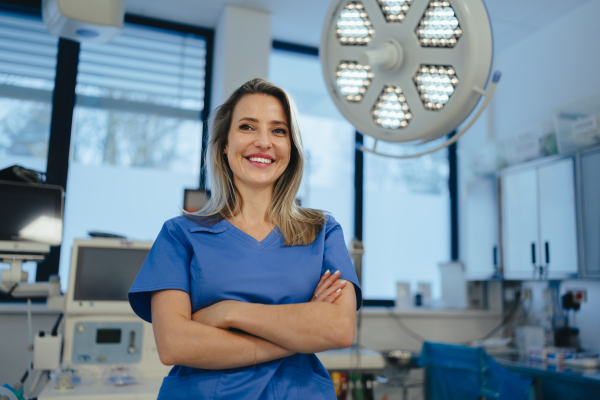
<point x="259" y="143"/>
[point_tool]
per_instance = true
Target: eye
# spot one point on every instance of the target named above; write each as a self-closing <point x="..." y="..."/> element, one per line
<point x="245" y="127"/>
<point x="280" y="131"/>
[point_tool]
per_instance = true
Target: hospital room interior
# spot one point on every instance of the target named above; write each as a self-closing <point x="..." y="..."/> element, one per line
<point x="455" y="145"/>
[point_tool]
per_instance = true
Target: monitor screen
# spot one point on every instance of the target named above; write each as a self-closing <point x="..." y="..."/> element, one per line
<point x="106" y="274"/>
<point x="31" y="212"/>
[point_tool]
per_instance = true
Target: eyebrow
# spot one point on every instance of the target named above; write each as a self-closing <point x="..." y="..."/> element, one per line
<point x="275" y="122"/>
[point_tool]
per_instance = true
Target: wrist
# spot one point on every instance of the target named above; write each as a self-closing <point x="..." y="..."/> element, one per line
<point x="232" y="313"/>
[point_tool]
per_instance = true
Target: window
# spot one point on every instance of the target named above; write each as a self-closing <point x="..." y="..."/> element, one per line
<point x="137" y="134"/>
<point x="328" y="182"/>
<point x="27" y="70"/>
<point x="406" y="219"/>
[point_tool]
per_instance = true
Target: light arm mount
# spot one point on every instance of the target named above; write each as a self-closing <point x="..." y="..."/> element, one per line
<point x="389" y="55"/>
<point x="453" y="139"/>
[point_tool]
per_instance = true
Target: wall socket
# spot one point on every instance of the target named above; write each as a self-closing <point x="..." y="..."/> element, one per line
<point x="579" y="295"/>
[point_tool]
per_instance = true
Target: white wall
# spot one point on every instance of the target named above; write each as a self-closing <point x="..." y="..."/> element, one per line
<point x="551" y="68"/>
<point x="242" y="48"/>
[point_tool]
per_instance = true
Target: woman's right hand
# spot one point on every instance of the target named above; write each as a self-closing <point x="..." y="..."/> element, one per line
<point x="329" y="288"/>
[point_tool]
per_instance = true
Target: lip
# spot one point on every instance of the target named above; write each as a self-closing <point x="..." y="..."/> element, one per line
<point x="260" y="155"/>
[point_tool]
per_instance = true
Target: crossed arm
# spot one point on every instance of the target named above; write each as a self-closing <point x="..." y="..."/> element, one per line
<point x="262" y="332"/>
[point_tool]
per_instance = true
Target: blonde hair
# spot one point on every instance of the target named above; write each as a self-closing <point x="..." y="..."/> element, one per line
<point x="298" y="225"/>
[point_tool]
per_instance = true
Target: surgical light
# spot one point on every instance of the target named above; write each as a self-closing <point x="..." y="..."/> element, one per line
<point x="408" y="71"/>
<point x="391" y="110"/>
<point x="353" y="80"/>
<point x="435" y="84"/>
<point x="353" y="25"/>
<point x="395" y="10"/>
<point x="439" y="26"/>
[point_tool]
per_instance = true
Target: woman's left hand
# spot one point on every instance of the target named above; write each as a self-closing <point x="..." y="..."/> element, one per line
<point x="215" y="315"/>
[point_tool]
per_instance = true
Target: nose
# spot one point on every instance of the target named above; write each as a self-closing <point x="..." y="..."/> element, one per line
<point x="263" y="139"/>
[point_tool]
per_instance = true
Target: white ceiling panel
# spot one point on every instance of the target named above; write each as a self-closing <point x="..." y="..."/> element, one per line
<point x="301" y="21"/>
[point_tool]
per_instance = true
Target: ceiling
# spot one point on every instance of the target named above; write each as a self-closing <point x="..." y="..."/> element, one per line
<point x="300" y="21"/>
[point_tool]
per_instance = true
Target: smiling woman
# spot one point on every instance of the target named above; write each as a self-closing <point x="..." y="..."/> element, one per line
<point x="258" y="147"/>
<point x="259" y="120"/>
<point x="242" y="293"/>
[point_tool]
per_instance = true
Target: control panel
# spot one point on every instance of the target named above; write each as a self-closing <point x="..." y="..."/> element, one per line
<point x="107" y="342"/>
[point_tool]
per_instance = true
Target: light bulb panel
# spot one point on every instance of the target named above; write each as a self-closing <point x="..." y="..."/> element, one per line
<point x="395" y="10"/>
<point x="439" y="26"/>
<point x="391" y="111"/>
<point x="356" y="98"/>
<point x="353" y="25"/>
<point x="436" y="84"/>
<point x="353" y="80"/>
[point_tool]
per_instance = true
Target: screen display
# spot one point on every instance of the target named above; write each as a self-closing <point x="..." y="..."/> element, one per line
<point x="106" y="274"/>
<point x="108" y="336"/>
<point x="31" y="212"/>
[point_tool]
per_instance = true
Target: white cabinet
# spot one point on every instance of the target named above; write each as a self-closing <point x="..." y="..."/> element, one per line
<point x="481" y="230"/>
<point x="590" y="207"/>
<point x="539" y="229"/>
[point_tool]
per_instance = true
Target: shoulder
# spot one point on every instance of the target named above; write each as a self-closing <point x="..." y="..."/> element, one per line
<point x="330" y="227"/>
<point x="330" y="224"/>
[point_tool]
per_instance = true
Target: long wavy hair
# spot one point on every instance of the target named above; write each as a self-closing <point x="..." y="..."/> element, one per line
<point x="298" y="225"/>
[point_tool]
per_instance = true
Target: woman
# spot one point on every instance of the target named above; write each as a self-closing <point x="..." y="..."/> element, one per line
<point x="241" y="295"/>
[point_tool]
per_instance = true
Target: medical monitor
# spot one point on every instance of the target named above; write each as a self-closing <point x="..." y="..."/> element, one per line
<point x="31" y="217"/>
<point x="102" y="271"/>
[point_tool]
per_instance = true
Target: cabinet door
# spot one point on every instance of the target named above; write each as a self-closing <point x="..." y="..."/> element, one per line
<point x="558" y="226"/>
<point x="520" y="223"/>
<point x="590" y="196"/>
<point x="481" y="229"/>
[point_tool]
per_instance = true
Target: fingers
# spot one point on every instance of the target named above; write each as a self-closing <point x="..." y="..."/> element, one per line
<point x="334" y="290"/>
<point x="333" y="296"/>
<point x="326" y="281"/>
<point x="325" y="276"/>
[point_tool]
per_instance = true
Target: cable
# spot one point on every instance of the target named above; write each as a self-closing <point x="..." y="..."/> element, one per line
<point x="502" y="323"/>
<point x="405" y="329"/>
<point x="510" y="315"/>
<point x="24" y="377"/>
<point x="56" y="324"/>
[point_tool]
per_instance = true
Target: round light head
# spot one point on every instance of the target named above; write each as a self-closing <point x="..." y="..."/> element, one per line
<point x="446" y="49"/>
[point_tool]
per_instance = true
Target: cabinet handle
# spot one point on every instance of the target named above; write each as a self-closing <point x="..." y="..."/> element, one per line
<point x="533" y="253"/>
<point x="495" y="256"/>
<point x="547" y="253"/>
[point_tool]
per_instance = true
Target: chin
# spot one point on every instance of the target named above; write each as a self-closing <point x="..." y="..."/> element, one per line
<point x="258" y="182"/>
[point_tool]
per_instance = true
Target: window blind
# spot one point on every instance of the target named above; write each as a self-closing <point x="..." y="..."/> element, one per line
<point x="144" y="70"/>
<point x="27" y="58"/>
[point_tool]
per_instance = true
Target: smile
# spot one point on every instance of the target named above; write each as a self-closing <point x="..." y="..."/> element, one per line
<point x="260" y="160"/>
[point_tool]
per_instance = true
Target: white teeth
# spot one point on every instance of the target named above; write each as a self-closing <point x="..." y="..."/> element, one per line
<point x="261" y="160"/>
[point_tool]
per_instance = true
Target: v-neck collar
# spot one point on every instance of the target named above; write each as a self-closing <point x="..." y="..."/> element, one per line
<point x="243" y="236"/>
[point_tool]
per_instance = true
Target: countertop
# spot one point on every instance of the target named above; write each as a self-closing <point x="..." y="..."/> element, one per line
<point x="544" y="370"/>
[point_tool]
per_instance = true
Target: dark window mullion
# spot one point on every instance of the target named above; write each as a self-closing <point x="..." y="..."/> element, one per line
<point x="453" y="191"/>
<point x="210" y="40"/>
<point x="358" y="187"/>
<point x="63" y="103"/>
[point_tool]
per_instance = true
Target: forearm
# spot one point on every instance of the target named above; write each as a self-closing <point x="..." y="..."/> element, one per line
<point x="302" y="328"/>
<point x="192" y="344"/>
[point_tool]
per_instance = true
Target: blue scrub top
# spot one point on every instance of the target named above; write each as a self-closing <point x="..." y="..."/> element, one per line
<point x="221" y="262"/>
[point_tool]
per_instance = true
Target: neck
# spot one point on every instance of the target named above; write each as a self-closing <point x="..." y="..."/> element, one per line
<point x="255" y="204"/>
